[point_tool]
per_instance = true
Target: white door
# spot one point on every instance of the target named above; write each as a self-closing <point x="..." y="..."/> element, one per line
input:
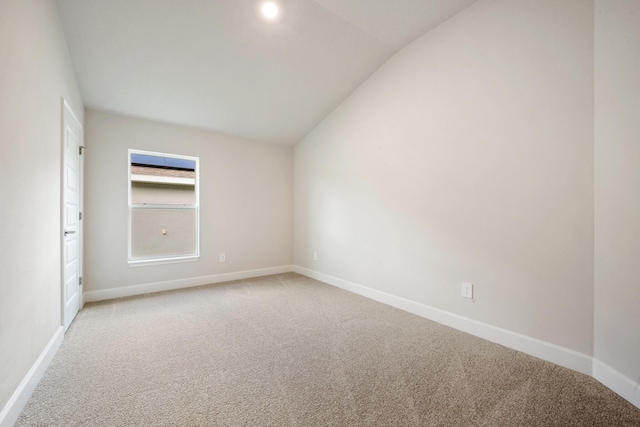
<point x="71" y="228"/>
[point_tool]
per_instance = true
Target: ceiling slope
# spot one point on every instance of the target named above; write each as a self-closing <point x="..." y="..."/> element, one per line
<point x="216" y="65"/>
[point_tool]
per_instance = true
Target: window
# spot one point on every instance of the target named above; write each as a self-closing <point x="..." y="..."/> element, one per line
<point x="163" y="208"/>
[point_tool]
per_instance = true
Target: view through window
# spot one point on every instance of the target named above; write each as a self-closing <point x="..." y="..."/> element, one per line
<point x="163" y="207"/>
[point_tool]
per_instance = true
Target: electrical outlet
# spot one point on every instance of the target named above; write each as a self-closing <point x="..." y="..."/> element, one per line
<point x="315" y="256"/>
<point x="467" y="290"/>
<point x="223" y="258"/>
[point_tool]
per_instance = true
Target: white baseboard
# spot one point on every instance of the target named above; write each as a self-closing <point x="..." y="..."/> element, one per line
<point x="616" y="381"/>
<point x="544" y="350"/>
<point x="18" y="401"/>
<point x="146" y="288"/>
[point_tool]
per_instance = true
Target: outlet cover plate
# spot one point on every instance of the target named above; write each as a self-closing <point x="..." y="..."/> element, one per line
<point x="467" y="290"/>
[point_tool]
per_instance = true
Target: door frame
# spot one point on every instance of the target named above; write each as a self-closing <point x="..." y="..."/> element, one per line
<point x="67" y="111"/>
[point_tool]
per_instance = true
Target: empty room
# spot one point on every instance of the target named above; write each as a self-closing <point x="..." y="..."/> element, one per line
<point x="320" y="212"/>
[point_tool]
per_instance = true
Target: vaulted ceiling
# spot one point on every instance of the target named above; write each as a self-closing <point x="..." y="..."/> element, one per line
<point x="219" y="65"/>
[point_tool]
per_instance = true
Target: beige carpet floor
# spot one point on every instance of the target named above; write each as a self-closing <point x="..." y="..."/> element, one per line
<point x="286" y="350"/>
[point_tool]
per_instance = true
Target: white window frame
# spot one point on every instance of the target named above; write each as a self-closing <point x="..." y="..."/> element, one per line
<point x="156" y="260"/>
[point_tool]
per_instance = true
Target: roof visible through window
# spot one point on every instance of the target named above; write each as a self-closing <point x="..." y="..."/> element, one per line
<point x="162" y="162"/>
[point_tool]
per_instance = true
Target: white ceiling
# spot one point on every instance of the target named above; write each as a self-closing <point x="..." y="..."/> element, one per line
<point x="217" y="65"/>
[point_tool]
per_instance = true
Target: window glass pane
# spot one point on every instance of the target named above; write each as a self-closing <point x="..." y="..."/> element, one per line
<point x="163" y="232"/>
<point x="163" y="194"/>
<point x="163" y="206"/>
<point x="162" y="161"/>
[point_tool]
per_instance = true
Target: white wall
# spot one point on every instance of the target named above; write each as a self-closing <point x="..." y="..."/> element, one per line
<point x="245" y="201"/>
<point x="35" y="72"/>
<point x="467" y="157"/>
<point x="617" y="188"/>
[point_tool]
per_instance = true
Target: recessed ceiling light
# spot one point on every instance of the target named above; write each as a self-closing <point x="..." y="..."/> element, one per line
<point x="269" y="10"/>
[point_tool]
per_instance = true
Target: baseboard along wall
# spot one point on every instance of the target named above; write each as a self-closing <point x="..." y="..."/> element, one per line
<point x="20" y="397"/>
<point x="146" y="288"/>
<point x="550" y="352"/>
<point x="571" y="359"/>
<point x="616" y="381"/>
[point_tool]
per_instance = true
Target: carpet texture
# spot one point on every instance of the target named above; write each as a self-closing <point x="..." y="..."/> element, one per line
<point x="286" y="350"/>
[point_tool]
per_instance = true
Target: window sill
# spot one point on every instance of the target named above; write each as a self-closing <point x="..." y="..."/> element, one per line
<point x="161" y="261"/>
